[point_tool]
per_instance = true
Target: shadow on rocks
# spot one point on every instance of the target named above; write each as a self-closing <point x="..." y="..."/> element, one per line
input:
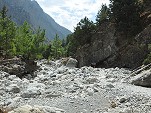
<point x="19" y="67"/>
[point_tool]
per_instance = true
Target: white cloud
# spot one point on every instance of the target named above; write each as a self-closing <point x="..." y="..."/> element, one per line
<point x="69" y="12"/>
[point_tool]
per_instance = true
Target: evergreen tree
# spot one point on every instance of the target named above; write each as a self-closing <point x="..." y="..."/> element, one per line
<point x="29" y="44"/>
<point x="102" y="15"/>
<point x="56" y="47"/>
<point x="47" y="53"/>
<point x="126" y="14"/>
<point x="7" y="33"/>
<point x="72" y="45"/>
<point x="63" y="43"/>
<point x="83" y="31"/>
<point x="38" y="43"/>
<point x="24" y="40"/>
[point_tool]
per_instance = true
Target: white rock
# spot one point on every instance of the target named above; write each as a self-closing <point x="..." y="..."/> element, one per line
<point x="37" y="109"/>
<point x="61" y="70"/>
<point x="127" y="110"/>
<point x="8" y="101"/>
<point x="33" y="90"/>
<point x="11" y="77"/>
<point x="123" y="99"/>
<point x="110" y="86"/>
<point x="90" y="91"/>
<point x="27" y="109"/>
<point x="13" y="88"/>
<point x="71" y="63"/>
<point x="3" y="74"/>
<point x="48" y="109"/>
<point x="112" y="80"/>
<point x="91" y="80"/>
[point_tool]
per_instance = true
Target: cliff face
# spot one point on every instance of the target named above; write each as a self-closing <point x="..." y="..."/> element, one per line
<point x="110" y="49"/>
<point x="30" y="11"/>
<point x="102" y="47"/>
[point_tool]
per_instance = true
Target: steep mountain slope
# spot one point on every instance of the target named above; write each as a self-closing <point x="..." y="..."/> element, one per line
<point x="30" y="11"/>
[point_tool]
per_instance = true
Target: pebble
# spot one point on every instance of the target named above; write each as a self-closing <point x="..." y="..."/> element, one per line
<point x="82" y="88"/>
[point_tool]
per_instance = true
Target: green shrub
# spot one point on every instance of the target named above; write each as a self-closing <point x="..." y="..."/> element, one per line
<point x="147" y="60"/>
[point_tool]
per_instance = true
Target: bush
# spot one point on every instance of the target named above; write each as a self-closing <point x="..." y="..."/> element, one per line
<point x="147" y="60"/>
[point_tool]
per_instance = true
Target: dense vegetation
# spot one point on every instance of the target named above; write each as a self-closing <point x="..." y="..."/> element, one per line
<point x="25" y="41"/>
<point x="126" y="14"/>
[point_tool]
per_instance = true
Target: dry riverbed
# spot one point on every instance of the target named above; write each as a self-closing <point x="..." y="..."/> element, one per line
<point x="66" y="89"/>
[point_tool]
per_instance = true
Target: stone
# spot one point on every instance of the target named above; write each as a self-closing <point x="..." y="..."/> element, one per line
<point x="36" y="109"/>
<point x="9" y="101"/>
<point x="142" y="79"/>
<point x="30" y="93"/>
<point x="91" y="80"/>
<point x="113" y="104"/>
<point x="71" y="63"/>
<point x="127" y="110"/>
<point x="18" y="67"/>
<point x="110" y="86"/>
<point x="90" y="91"/>
<point x="3" y="74"/>
<point x="122" y="99"/>
<point x="11" y="77"/>
<point x="112" y="80"/>
<point x="61" y="70"/>
<point x="48" y="109"/>
<point x="33" y="90"/>
<point x="14" y="88"/>
<point x="27" y="109"/>
<point x="52" y="94"/>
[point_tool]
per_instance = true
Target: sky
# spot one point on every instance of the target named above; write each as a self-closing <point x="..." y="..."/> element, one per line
<point x="68" y="13"/>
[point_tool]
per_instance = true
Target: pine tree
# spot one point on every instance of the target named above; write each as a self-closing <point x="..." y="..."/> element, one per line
<point x="29" y="44"/>
<point x="126" y="14"/>
<point x="38" y="43"/>
<point x="7" y="33"/>
<point x="83" y="31"/>
<point x="47" y="53"/>
<point x="56" y="47"/>
<point x="102" y="15"/>
<point x="24" y="40"/>
<point x="72" y="45"/>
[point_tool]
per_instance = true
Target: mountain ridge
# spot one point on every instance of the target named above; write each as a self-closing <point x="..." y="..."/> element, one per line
<point x="30" y="11"/>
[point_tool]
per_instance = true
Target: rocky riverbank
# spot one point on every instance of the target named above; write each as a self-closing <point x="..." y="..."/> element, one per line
<point x="61" y="88"/>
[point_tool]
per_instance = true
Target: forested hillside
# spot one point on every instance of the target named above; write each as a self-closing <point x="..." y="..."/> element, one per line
<point x="27" y="42"/>
<point x="30" y="11"/>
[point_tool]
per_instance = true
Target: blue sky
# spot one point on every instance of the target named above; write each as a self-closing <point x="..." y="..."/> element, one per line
<point x="69" y="12"/>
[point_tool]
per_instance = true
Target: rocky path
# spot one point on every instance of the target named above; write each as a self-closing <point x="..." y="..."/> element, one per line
<point x="66" y="89"/>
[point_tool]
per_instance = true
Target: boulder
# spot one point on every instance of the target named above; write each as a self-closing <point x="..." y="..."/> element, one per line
<point x="109" y="86"/>
<point x="27" y="109"/>
<point x="33" y="90"/>
<point x="142" y="79"/>
<point x="37" y="109"/>
<point x="71" y="62"/>
<point x="18" y="67"/>
<point x="14" y="88"/>
<point x="123" y="99"/>
<point x="91" y="80"/>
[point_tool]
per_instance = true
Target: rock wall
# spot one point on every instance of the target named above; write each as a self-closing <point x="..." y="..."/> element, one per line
<point x="101" y="47"/>
<point x="110" y="48"/>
